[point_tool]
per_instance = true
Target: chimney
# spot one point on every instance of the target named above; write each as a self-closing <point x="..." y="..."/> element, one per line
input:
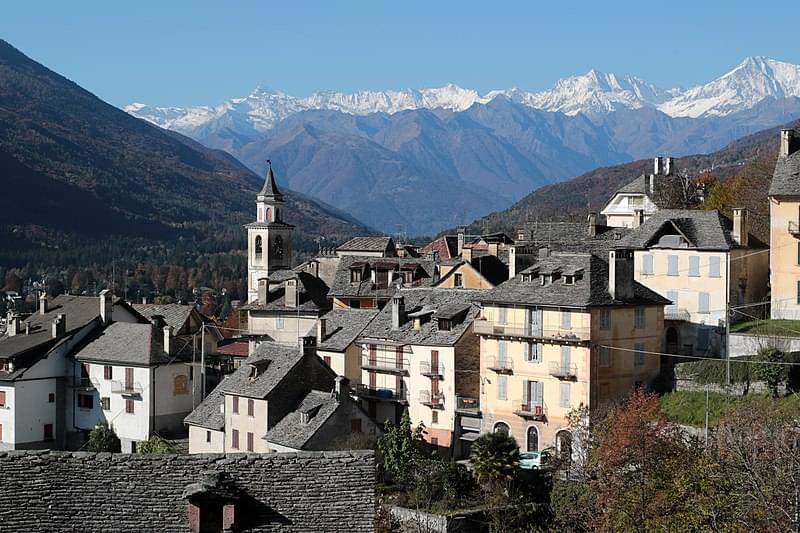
<point x="309" y="345"/>
<point x="398" y="312"/>
<point x="291" y="292"/>
<point x="263" y="290"/>
<point x="620" y="274"/>
<point x="658" y="166"/>
<point x="461" y="232"/>
<point x="43" y="303"/>
<point x="59" y="327"/>
<point x="592" y="224"/>
<point x="167" y="339"/>
<point x="648" y="184"/>
<point x="158" y="321"/>
<point x="638" y="218"/>
<point x="105" y="306"/>
<point x="322" y="326"/>
<point x="521" y="234"/>
<point x="493" y="249"/>
<point x="466" y="254"/>
<point x="789" y="142"/>
<point x="27" y="328"/>
<point x="12" y="324"/>
<point x="341" y="388"/>
<point x="669" y="166"/>
<point x="144" y="300"/>
<point x="740" y="230"/>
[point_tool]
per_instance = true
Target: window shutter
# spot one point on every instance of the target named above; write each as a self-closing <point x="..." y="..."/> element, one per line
<point x="564" y="393"/>
<point x="694" y="265"/>
<point x="566" y="319"/>
<point x="703" y="304"/>
<point x="538" y="389"/>
<point x="672" y="265"/>
<point x="713" y="265"/>
<point x="647" y="263"/>
<point x="502" y="383"/>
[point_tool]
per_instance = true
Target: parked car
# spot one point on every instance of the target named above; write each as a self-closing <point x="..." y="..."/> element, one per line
<point x="534" y="460"/>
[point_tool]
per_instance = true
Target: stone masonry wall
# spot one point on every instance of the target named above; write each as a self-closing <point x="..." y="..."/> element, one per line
<point x="80" y="491"/>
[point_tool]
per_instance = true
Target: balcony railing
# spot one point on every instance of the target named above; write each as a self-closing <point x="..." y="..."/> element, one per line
<point x="566" y="334"/>
<point x="672" y="312"/>
<point x="387" y="394"/>
<point x="434" y="401"/>
<point x="468" y="406"/>
<point x="794" y="228"/>
<point x="426" y="368"/>
<point x="531" y="409"/>
<point x="562" y="371"/>
<point x="389" y="365"/>
<point x="501" y="366"/>
<point x="126" y="388"/>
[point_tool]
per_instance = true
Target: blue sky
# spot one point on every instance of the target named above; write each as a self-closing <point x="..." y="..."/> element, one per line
<point x="200" y="52"/>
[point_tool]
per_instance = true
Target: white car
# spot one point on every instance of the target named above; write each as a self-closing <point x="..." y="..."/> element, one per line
<point x="533" y="460"/>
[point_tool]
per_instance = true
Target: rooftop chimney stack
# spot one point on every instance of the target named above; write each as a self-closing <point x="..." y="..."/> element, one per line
<point x="592" y="224"/>
<point x="309" y="345"/>
<point x="341" y="388"/>
<point x="291" y="292"/>
<point x="43" y="303"/>
<point x="263" y="290"/>
<point x="58" y="327"/>
<point x="638" y="217"/>
<point x="658" y="166"/>
<point x="790" y="142"/>
<point x="167" y="339"/>
<point x="105" y="306"/>
<point x="398" y="312"/>
<point x="461" y="231"/>
<point x="12" y="325"/>
<point x="740" y="230"/>
<point x="620" y="274"/>
<point x="322" y="327"/>
<point x="669" y="166"/>
<point x="521" y="234"/>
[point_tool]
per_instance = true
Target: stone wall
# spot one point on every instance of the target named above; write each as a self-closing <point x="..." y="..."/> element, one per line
<point x="80" y="491"/>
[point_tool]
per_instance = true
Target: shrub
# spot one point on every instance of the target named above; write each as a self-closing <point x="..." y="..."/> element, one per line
<point x="103" y="439"/>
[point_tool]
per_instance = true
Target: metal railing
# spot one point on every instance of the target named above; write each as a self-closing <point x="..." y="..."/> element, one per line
<point x="385" y="364"/>
<point x="501" y="366"/>
<point x="572" y="333"/>
<point x="465" y="404"/>
<point x="534" y="409"/>
<point x="431" y="400"/>
<point x="426" y="368"/>
<point x="794" y="227"/>
<point x="388" y="394"/>
<point x="563" y="371"/>
<point x="126" y="387"/>
<point x="672" y="312"/>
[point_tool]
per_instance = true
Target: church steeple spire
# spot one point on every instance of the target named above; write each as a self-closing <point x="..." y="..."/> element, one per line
<point x="270" y="189"/>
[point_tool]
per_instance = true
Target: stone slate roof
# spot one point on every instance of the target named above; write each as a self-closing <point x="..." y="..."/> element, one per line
<point x="343" y="326"/>
<point x="343" y="287"/>
<point x="590" y="289"/>
<point x="209" y="413"/>
<point x="274" y="361"/>
<point x="290" y="431"/>
<point x="312" y="295"/>
<point x="267" y="225"/>
<point x="366" y="244"/>
<point x="270" y="188"/>
<point x="175" y="315"/>
<point x="786" y="178"/>
<point x="122" y="343"/>
<point x="665" y="189"/>
<point x="446" y="246"/>
<point x="429" y="334"/>
<point x="331" y="492"/>
<point x="705" y="230"/>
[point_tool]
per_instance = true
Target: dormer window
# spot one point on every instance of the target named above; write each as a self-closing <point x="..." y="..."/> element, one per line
<point x="253" y="372"/>
<point x="304" y="418"/>
<point x="543" y="279"/>
<point x="569" y="280"/>
<point x="445" y="324"/>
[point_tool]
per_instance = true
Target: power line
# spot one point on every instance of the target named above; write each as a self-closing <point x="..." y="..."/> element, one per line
<point x="700" y="357"/>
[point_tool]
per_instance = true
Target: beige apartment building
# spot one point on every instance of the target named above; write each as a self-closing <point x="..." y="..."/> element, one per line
<point x="571" y="330"/>
<point x="784" y="213"/>
<point x="640" y="199"/>
<point x="337" y="346"/>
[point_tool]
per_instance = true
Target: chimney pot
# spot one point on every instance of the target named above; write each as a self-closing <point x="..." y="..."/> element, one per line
<point x="105" y="306"/>
<point x="461" y="231"/>
<point x="398" y="312"/>
<point x="342" y="388"/>
<point x="592" y="224"/>
<point x="620" y="274"/>
<point x="43" y="303"/>
<point x="741" y="231"/>
<point x="309" y="345"/>
<point x="789" y="142"/>
<point x="167" y="339"/>
<point x="669" y="166"/>
<point x="13" y="324"/>
<point x="658" y="166"/>
<point x="290" y="292"/>
<point x="638" y="217"/>
<point x="263" y="290"/>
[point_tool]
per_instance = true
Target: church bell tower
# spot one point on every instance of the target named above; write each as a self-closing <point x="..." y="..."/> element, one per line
<point x="269" y="238"/>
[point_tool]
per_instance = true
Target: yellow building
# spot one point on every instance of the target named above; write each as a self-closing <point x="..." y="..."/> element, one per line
<point x="784" y="213"/>
<point x="419" y="354"/>
<point x="703" y="263"/>
<point x="483" y="272"/>
<point x="337" y="333"/>
<point x="570" y="330"/>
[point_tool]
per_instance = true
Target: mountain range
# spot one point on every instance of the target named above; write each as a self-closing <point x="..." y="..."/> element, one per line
<point x="424" y="160"/>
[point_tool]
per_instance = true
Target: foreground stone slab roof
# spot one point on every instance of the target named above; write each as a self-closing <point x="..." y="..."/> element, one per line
<point x="288" y="492"/>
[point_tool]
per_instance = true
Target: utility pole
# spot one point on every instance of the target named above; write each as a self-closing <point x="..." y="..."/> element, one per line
<point x="728" y="319"/>
<point x="706" y="415"/>
<point x="202" y="362"/>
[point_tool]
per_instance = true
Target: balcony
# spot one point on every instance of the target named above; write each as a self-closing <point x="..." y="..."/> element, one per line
<point x="564" y="372"/>
<point x="384" y="394"/>
<point x="794" y="228"/>
<point x="501" y="366"/>
<point x="428" y="369"/>
<point x="126" y="388"/>
<point x="388" y="365"/>
<point x="530" y="409"/>
<point x="468" y="406"/>
<point x="672" y="312"/>
<point x="574" y="334"/>
<point x="434" y="401"/>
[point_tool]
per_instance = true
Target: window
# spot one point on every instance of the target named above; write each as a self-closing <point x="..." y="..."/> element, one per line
<point x="564" y="390"/>
<point x="798" y="292"/>
<point x="566" y="319"/>
<point x="51" y="397"/>
<point x="639" y="318"/>
<point x="533" y="439"/>
<point x="533" y="352"/>
<point x="355" y="424"/>
<point x="713" y="266"/>
<point x="235" y="439"/>
<point x="327" y="359"/>
<point x="129" y="407"/>
<point x="108" y="373"/>
<point x="638" y="354"/>
<point x="355" y="275"/>
<point x="249" y="441"/>
<point x="647" y="264"/>
<point x="694" y="266"/>
<point x="503" y="315"/>
<point x="605" y="356"/>
<point x="105" y="403"/>
<point x="502" y="427"/>
<point x="703" y="303"/>
<point x="235" y="401"/>
<point x="279" y="322"/>
<point x="569" y="280"/>
<point x="458" y="280"/>
<point x="434" y="417"/>
<point x="180" y="385"/>
<point x="445" y="324"/>
<point x="2" y="398"/>
<point x="208" y="436"/>
<point x="672" y="265"/>
<point x="48" y="432"/>
<point x="85" y="401"/>
<point x="672" y="296"/>
<point x="605" y="319"/>
<point x="251" y="408"/>
<point x="502" y="387"/>
<point x="259" y="246"/>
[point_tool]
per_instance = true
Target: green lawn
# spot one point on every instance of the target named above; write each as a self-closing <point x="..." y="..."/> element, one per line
<point x="689" y="407"/>
<point x="788" y="328"/>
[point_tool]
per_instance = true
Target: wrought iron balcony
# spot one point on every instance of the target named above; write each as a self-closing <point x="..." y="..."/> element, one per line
<point x="389" y="365"/>
<point x="563" y="371"/>
<point x="468" y="406"/>
<point x="434" y="401"/>
<point x="570" y="334"/>
<point x="126" y="388"/>
<point x="501" y="366"/>
<point x="531" y="409"/>
<point x="426" y="368"/>
<point x="385" y="394"/>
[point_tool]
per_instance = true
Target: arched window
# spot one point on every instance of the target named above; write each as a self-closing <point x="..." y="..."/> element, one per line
<point x="502" y="427"/>
<point x="533" y="439"/>
<point x="564" y="445"/>
<point x="259" y="246"/>
<point x="269" y="215"/>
